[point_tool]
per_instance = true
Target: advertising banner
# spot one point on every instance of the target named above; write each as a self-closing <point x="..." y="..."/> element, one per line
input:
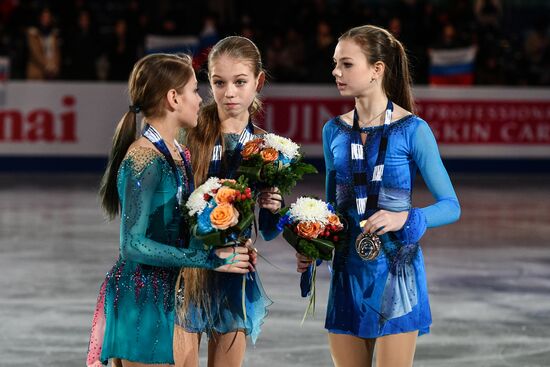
<point x="77" y="120"/>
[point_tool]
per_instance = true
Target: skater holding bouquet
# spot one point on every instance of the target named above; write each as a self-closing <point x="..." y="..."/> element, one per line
<point x="378" y="299"/>
<point x="147" y="182"/>
<point x="235" y="306"/>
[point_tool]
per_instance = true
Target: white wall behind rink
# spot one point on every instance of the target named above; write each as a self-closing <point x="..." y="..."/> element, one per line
<point x="78" y="119"/>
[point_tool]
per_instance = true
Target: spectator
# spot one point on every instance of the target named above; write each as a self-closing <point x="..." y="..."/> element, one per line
<point x="296" y="37"/>
<point x="121" y="53"/>
<point x="488" y="13"/>
<point x="208" y="37"/>
<point x="44" y="49"/>
<point x="537" y="52"/>
<point x="321" y="52"/>
<point x="81" y="51"/>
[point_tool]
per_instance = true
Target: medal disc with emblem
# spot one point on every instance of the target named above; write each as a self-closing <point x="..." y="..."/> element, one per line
<point x="368" y="245"/>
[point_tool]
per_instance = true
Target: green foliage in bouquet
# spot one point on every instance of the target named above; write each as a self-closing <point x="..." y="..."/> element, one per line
<point x="314" y="249"/>
<point x="246" y="205"/>
<point x="273" y="161"/>
<point x="275" y="174"/>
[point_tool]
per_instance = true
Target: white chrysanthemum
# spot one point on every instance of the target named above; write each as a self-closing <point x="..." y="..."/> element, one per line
<point x="196" y="202"/>
<point x="309" y="209"/>
<point x="283" y="145"/>
<point x="213" y="183"/>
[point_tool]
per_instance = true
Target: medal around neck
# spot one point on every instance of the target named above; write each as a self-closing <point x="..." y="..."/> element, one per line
<point x="368" y="246"/>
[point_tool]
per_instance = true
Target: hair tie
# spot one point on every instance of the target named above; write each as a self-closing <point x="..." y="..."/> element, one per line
<point x="135" y="108"/>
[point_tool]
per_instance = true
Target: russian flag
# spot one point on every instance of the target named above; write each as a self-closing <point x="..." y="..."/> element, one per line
<point x="452" y="66"/>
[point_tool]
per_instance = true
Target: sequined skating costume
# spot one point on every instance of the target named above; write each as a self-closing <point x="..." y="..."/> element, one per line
<point x="134" y="317"/>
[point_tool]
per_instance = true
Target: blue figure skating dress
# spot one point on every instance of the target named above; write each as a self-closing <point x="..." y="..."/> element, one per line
<point x="387" y="295"/>
<point x="134" y="317"/>
<point x="228" y="309"/>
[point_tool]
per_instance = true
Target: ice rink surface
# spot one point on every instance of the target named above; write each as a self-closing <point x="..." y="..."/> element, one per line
<point x="488" y="276"/>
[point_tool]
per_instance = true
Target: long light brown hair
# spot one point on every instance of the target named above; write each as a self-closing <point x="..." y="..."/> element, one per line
<point x="201" y="140"/>
<point x="380" y="45"/>
<point x="151" y="79"/>
<point x="203" y="137"/>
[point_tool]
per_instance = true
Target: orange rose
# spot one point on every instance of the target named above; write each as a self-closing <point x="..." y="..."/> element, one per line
<point x="309" y="230"/>
<point x="251" y="147"/>
<point x="225" y="195"/>
<point x="269" y="154"/>
<point x="333" y="220"/>
<point x="224" y="216"/>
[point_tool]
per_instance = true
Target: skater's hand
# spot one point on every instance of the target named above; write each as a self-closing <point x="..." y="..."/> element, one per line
<point x="302" y="263"/>
<point x="270" y="199"/>
<point x="384" y="221"/>
<point x="239" y="259"/>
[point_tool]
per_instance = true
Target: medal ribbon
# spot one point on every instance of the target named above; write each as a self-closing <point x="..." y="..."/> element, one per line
<point x="367" y="192"/>
<point x="215" y="168"/>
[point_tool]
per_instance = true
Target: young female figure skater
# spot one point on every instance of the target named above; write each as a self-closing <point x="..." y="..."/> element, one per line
<point x="225" y="125"/>
<point x="146" y="182"/>
<point x="378" y="298"/>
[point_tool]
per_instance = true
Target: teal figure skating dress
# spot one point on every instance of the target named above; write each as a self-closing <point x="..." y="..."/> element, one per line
<point x="134" y="317"/>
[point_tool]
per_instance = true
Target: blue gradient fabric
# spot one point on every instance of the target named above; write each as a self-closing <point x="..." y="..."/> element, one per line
<point x="387" y="295"/>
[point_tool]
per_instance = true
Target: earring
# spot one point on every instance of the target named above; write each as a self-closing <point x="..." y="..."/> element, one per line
<point x="372" y="80"/>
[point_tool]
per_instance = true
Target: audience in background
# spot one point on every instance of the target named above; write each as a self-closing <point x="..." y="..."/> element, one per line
<point x="100" y="40"/>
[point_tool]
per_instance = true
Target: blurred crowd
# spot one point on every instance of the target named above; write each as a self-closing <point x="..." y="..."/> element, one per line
<point x="100" y="40"/>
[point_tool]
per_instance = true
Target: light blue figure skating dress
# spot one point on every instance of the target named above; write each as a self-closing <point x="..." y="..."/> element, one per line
<point x="389" y="294"/>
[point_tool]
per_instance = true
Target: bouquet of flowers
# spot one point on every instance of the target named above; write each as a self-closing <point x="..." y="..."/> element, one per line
<point x="312" y="227"/>
<point x="220" y="210"/>
<point x="273" y="161"/>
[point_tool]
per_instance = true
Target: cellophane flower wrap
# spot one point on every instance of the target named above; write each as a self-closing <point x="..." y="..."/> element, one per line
<point x="312" y="227"/>
<point x="220" y="210"/>
<point x="273" y="161"/>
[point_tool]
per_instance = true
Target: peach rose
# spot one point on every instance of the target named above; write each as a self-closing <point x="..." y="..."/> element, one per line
<point x="224" y="216"/>
<point x="333" y="220"/>
<point x="269" y="154"/>
<point x="251" y="147"/>
<point x="225" y="195"/>
<point x="309" y="230"/>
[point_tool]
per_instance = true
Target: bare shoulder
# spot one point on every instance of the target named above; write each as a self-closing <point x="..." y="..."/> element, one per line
<point x="399" y="112"/>
<point x="347" y="117"/>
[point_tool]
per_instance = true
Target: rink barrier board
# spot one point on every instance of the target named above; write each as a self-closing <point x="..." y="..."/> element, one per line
<point x="68" y="126"/>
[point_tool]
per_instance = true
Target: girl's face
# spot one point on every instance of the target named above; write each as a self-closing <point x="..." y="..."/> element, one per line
<point x="190" y="101"/>
<point x="352" y="72"/>
<point x="234" y="86"/>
